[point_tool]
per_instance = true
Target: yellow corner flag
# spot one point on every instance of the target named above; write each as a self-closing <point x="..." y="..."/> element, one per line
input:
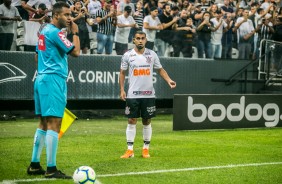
<point x="67" y="120"/>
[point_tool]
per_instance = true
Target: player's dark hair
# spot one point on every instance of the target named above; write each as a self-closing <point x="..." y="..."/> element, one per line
<point x="57" y="8"/>
<point x="139" y="32"/>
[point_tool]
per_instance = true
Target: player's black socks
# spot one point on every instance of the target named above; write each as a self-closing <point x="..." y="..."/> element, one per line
<point x="35" y="165"/>
<point x="51" y="169"/>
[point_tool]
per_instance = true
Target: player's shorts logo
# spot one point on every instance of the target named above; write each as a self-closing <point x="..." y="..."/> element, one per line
<point x="151" y="110"/>
<point x="127" y="110"/>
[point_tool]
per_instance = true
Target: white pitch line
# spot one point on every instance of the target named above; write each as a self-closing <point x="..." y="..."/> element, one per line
<point x="34" y="180"/>
<point x="154" y="172"/>
<point x="191" y="169"/>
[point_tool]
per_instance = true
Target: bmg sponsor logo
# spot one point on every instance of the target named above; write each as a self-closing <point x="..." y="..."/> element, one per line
<point x="217" y="112"/>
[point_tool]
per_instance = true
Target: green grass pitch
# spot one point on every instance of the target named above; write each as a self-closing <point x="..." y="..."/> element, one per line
<point x="251" y="156"/>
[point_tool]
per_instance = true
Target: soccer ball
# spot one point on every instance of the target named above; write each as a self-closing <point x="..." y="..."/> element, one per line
<point x="84" y="175"/>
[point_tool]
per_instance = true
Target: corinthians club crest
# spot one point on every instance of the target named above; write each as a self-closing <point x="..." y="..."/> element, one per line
<point x="149" y="59"/>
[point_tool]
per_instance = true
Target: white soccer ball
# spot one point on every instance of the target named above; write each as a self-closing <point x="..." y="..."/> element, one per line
<point x="84" y="175"/>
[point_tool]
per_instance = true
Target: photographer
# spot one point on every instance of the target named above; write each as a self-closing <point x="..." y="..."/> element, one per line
<point x="227" y="37"/>
<point x="245" y="30"/>
<point x="183" y="39"/>
<point x="81" y="18"/>
<point x="277" y="36"/>
<point x="124" y="23"/>
<point x="41" y="15"/>
<point x="204" y="36"/>
<point x="198" y="14"/>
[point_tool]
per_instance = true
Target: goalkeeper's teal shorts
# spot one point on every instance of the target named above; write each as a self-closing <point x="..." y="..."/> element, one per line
<point x="50" y="95"/>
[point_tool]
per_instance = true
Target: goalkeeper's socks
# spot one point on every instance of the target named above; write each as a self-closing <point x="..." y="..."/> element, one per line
<point x="51" y="147"/>
<point x="39" y="140"/>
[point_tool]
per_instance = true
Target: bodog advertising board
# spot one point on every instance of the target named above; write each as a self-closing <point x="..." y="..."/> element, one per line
<point x="192" y="112"/>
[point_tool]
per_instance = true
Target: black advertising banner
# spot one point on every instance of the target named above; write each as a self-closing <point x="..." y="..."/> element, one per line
<point x="194" y="112"/>
<point x="96" y="76"/>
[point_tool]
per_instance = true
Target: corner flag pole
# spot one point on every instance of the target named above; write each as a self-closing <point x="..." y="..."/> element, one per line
<point x="67" y="120"/>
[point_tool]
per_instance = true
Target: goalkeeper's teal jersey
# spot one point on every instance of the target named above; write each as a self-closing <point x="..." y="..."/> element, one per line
<point x="52" y="49"/>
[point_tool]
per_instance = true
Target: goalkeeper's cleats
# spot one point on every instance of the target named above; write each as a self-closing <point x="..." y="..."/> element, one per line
<point x="35" y="171"/>
<point x="57" y="174"/>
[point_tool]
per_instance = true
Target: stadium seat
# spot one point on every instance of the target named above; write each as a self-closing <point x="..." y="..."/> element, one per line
<point x="235" y="53"/>
<point x="20" y="44"/>
<point x="21" y="24"/>
<point x="195" y="52"/>
<point x="20" y="32"/>
<point x="93" y="46"/>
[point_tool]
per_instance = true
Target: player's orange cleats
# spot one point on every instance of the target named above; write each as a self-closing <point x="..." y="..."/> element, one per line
<point x="145" y="153"/>
<point x="128" y="154"/>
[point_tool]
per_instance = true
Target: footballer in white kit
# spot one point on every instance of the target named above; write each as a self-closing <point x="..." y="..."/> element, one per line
<point x="140" y="98"/>
<point x="140" y="72"/>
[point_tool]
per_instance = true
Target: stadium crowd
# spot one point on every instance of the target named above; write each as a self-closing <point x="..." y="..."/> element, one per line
<point x="207" y="28"/>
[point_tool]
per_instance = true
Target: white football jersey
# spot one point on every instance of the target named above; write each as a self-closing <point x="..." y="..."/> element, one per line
<point x="140" y="72"/>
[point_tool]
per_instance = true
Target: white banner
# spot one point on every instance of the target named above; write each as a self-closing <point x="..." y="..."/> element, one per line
<point x="31" y="28"/>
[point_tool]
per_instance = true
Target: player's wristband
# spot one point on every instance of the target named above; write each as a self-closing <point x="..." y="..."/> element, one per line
<point x="76" y="33"/>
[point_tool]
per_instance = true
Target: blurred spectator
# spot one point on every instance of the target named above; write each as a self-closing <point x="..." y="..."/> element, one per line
<point x="106" y="22"/>
<point x="8" y="14"/>
<point x="198" y="14"/>
<point x="219" y="26"/>
<point x="151" y="24"/>
<point x="163" y="37"/>
<point x="148" y="4"/>
<point x="172" y="3"/>
<point x="239" y="13"/>
<point x="185" y="4"/>
<point x="174" y="11"/>
<point x="32" y="5"/>
<point x="213" y="9"/>
<point x="93" y="7"/>
<point x="120" y="9"/>
<point x="265" y="30"/>
<point x="204" y="37"/>
<point x="227" y="38"/>
<point x="277" y="36"/>
<point x="124" y="23"/>
<point x="245" y="30"/>
<point x="18" y="4"/>
<point x="161" y="4"/>
<point x="138" y="17"/>
<point x="82" y="18"/>
<point x="72" y="2"/>
<point x="123" y="4"/>
<point x="265" y="4"/>
<point x="261" y="14"/>
<point x="227" y="8"/>
<point x="205" y="3"/>
<point x="183" y="38"/>
<point x="244" y="4"/>
<point x="40" y="15"/>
